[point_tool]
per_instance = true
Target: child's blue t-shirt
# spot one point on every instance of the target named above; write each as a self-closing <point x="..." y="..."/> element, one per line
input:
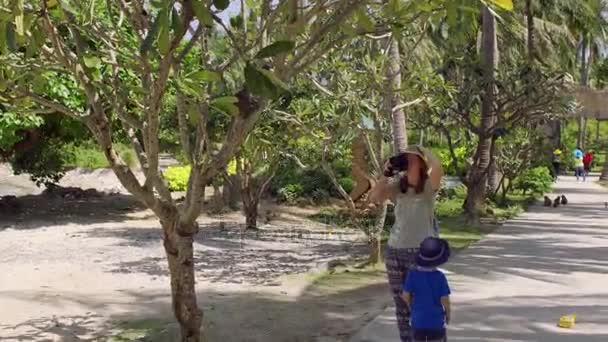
<point x="426" y="288"/>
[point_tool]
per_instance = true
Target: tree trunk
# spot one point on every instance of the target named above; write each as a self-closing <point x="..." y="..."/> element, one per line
<point x="530" y="29"/>
<point x="476" y="184"/>
<point x="250" y="207"/>
<point x="584" y="83"/>
<point x="232" y="192"/>
<point x="180" y="255"/>
<point x="604" y="176"/>
<point x="493" y="177"/>
<point x="218" y="200"/>
<point x="375" y="237"/>
<point x="392" y="100"/>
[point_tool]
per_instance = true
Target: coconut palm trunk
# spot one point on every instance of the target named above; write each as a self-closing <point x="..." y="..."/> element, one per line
<point x="478" y="177"/>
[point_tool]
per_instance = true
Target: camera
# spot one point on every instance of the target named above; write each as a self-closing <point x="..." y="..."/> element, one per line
<point x="396" y="164"/>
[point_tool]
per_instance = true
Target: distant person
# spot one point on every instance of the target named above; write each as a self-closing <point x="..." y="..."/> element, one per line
<point x="579" y="168"/>
<point x="427" y="293"/>
<point x="557" y="163"/>
<point x="587" y="162"/>
<point x="578" y="152"/>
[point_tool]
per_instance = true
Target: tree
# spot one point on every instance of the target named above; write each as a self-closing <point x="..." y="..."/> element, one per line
<point x="127" y="56"/>
<point x="256" y="165"/>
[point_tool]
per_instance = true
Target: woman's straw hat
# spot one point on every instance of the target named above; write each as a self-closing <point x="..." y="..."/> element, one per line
<point x="433" y="164"/>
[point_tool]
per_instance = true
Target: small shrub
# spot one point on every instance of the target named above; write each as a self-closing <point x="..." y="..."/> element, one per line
<point x="347" y="184"/>
<point x="177" y="177"/>
<point x="320" y="196"/>
<point x="128" y="156"/>
<point x="290" y="193"/>
<point x="88" y="157"/>
<point x="44" y="162"/>
<point x="535" y="181"/>
<point x="449" y="207"/>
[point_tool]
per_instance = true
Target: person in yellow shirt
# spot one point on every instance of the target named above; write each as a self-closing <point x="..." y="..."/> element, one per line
<point x="557" y="162"/>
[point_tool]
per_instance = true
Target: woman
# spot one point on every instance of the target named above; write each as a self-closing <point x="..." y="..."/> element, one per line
<point x="413" y="193"/>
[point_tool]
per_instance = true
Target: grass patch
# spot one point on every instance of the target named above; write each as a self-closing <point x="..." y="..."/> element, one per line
<point x="90" y="156"/>
<point x="347" y="279"/>
<point x="138" y="329"/>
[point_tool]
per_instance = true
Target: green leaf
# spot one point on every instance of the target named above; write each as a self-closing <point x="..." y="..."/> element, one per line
<point x="281" y="86"/>
<point x="226" y="105"/>
<point x="237" y="22"/>
<point x="66" y="5"/>
<point x="504" y="4"/>
<point x="165" y="29"/>
<point x="92" y="62"/>
<point x="188" y="86"/>
<point x="193" y="114"/>
<point x="3" y="40"/>
<point x="176" y="21"/>
<point x="263" y="82"/>
<point x="204" y="76"/>
<point x="202" y="13"/>
<point x="251" y="4"/>
<point x="146" y="45"/>
<point x="221" y="4"/>
<point x="11" y="41"/>
<point x="278" y="47"/>
<point x="364" y="21"/>
<point x="256" y="82"/>
<point x="19" y="24"/>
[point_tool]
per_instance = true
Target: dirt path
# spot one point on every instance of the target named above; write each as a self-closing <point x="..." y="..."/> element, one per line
<point x="71" y="269"/>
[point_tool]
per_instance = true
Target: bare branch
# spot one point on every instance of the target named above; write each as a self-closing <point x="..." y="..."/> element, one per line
<point x="50" y="104"/>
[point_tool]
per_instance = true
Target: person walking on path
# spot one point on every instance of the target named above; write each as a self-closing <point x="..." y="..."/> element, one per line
<point x="578" y="153"/>
<point x="557" y="162"/>
<point x="579" y="168"/>
<point x="587" y="162"/>
<point x="427" y="293"/>
<point x="410" y="181"/>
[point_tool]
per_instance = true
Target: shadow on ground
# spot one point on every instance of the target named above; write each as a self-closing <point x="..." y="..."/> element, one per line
<point x="321" y="310"/>
<point x="236" y="256"/>
<point x="39" y="211"/>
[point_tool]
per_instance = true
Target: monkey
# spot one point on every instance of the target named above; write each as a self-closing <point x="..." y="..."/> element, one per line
<point x="548" y="201"/>
<point x="564" y="200"/>
<point x="556" y="202"/>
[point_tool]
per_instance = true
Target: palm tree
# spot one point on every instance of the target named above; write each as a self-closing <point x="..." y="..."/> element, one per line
<point x="392" y="99"/>
<point x="479" y="174"/>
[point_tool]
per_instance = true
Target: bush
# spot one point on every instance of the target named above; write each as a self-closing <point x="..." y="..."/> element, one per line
<point x="347" y="184"/>
<point x="535" y="181"/>
<point x="44" y="162"/>
<point x="320" y="196"/>
<point x="90" y="156"/>
<point x="177" y="177"/>
<point x="443" y="153"/>
<point x="290" y="193"/>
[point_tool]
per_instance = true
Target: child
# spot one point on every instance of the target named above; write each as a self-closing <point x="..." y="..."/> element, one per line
<point x="426" y="292"/>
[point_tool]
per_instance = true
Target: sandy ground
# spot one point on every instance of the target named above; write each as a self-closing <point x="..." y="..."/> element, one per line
<point x="71" y="270"/>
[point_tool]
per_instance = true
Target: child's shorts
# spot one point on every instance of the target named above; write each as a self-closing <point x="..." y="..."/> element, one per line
<point x="429" y="335"/>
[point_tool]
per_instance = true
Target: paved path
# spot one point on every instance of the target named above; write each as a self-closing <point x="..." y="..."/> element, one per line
<point x="515" y="284"/>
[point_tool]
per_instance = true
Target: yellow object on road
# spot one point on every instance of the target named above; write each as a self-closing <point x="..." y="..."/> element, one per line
<point x="567" y="321"/>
